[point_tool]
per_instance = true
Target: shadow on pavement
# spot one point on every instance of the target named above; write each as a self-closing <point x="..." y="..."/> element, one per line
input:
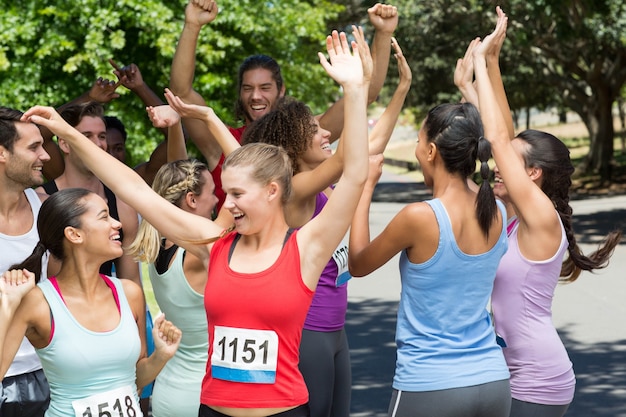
<point x="371" y="328"/>
<point x="593" y="228"/>
<point x="600" y="368"/>
<point x="401" y="192"/>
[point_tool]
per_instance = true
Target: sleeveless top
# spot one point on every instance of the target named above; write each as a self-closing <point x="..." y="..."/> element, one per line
<point x="541" y="371"/>
<point x="216" y="173"/>
<point x="255" y="326"/>
<point x="106" y="268"/>
<point x="177" y="388"/>
<point x="330" y="302"/>
<point x="15" y="249"/>
<point x="444" y="333"/>
<point x="80" y="363"/>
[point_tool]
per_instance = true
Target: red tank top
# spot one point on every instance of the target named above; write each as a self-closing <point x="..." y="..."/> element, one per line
<point x="216" y="174"/>
<point x="255" y="325"/>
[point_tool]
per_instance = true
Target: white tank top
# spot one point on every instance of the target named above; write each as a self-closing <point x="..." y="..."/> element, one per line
<point x="14" y="249"/>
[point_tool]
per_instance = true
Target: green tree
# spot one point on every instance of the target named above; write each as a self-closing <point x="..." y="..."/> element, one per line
<point x="581" y="45"/>
<point x="53" y="51"/>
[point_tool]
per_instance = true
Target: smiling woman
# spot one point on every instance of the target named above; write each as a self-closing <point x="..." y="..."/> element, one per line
<point x="79" y="304"/>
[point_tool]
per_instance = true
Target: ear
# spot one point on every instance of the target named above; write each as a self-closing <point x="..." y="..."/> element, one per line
<point x="190" y="200"/>
<point x="273" y="191"/>
<point x="432" y="151"/>
<point x="65" y="148"/>
<point x="4" y="153"/>
<point x="281" y="93"/>
<point x="73" y="235"/>
<point x="535" y="173"/>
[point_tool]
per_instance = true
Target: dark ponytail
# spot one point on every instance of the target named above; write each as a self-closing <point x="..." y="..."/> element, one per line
<point x="457" y="131"/>
<point x="62" y="209"/>
<point x="34" y="262"/>
<point x="486" y="208"/>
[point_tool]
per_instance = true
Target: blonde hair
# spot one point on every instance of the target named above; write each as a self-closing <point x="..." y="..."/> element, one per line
<point x="172" y="182"/>
<point x="268" y="163"/>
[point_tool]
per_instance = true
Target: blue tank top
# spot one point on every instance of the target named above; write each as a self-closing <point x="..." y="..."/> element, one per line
<point x="444" y="333"/>
<point x="79" y="363"/>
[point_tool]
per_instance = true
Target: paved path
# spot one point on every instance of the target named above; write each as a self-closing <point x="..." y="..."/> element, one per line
<point x="590" y="314"/>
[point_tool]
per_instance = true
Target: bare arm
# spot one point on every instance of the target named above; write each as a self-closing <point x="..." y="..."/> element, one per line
<point x="165" y="116"/>
<point x="381" y="133"/>
<point x="179" y="226"/>
<point x="197" y="15"/>
<point x="384" y="18"/>
<point x="318" y="238"/>
<point x="533" y="208"/>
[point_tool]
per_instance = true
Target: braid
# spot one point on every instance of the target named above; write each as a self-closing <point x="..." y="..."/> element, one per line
<point x="547" y="152"/>
<point x="486" y="209"/>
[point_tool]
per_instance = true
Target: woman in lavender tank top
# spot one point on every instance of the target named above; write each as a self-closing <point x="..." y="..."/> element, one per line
<point x="533" y="177"/>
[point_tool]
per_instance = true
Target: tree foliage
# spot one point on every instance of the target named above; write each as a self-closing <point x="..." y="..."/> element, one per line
<point x="51" y="52"/>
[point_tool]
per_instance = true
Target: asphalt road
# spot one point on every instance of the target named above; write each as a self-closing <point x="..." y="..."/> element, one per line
<point x="590" y="314"/>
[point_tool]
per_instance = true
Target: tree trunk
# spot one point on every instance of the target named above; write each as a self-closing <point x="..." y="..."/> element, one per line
<point x="599" y="122"/>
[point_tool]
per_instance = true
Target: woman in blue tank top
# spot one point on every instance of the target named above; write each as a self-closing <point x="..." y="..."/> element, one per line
<point x="87" y="328"/>
<point x="448" y="361"/>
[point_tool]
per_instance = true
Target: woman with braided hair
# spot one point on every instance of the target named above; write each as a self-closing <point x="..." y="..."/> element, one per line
<point x="178" y="279"/>
<point x="533" y="178"/>
<point x="448" y="361"/>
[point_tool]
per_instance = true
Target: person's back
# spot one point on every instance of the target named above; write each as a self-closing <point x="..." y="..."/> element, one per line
<point x="443" y="326"/>
<point x="448" y="361"/>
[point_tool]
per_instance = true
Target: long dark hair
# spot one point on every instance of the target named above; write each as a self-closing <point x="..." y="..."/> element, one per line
<point x="457" y="131"/>
<point x="547" y="152"/>
<point x="62" y="209"/>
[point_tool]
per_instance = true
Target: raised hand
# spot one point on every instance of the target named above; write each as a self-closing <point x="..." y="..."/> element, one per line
<point x="162" y="116"/>
<point x="464" y="74"/>
<point x="342" y="66"/>
<point x="404" y="70"/>
<point x="201" y="12"/>
<point x="15" y="284"/>
<point x="49" y="118"/>
<point x="103" y="90"/>
<point x="364" y="52"/>
<point x="129" y="76"/>
<point x="189" y="111"/>
<point x="384" y="17"/>
<point x="492" y="43"/>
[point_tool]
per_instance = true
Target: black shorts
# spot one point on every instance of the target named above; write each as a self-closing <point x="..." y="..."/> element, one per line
<point x="24" y="395"/>
<point x="300" y="411"/>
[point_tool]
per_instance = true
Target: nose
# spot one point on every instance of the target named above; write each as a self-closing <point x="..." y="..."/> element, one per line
<point x="44" y="155"/>
<point x="117" y="225"/>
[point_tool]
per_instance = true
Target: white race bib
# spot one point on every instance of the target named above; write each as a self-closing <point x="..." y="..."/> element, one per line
<point x="119" y="402"/>
<point x="244" y="355"/>
<point x="340" y="256"/>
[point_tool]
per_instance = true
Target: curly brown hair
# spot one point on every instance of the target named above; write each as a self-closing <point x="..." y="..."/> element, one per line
<point x="290" y="125"/>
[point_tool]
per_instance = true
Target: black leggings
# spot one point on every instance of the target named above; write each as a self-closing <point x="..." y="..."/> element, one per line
<point x="300" y="411"/>
<point x="325" y="366"/>
<point x="486" y="400"/>
<point x="525" y="409"/>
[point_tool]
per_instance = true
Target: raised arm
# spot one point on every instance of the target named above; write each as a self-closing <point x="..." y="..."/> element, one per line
<point x="534" y="209"/>
<point x="197" y="14"/>
<point x="318" y="238"/>
<point x="381" y="133"/>
<point x="213" y="124"/>
<point x="165" y="116"/>
<point x="179" y="226"/>
<point x="384" y="19"/>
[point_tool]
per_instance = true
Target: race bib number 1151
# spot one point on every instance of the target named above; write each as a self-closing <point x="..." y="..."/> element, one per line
<point x="244" y="355"/>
